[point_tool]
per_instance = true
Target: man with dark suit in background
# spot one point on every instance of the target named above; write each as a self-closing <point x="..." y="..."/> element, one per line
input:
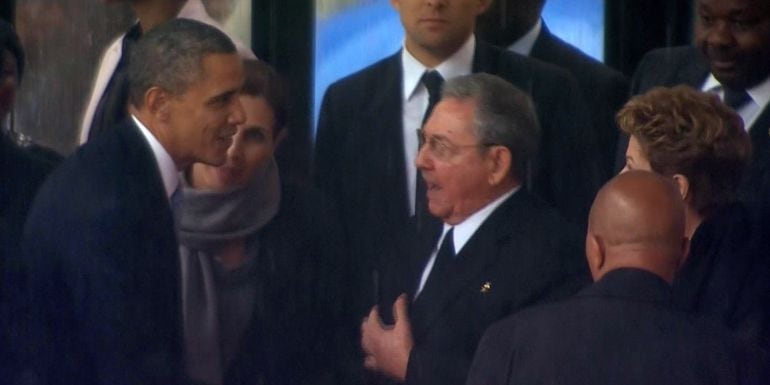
<point x="366" y="140"/>
<point x="102" y="255"/>
<point x="624" y="328"/>
<point x="517" y="26"/>
<point x="501" y="248"/>
<point x="731" y="58"/>
<point x="108" y="102"/>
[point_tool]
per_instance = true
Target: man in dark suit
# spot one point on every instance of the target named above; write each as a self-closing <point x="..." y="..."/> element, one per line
<point x="731" y="58"/>
<point x="102" y="253"/>
<point x="517" y="26"/>
<point x="501" y="248"/>
<point x="366" y="141"/>
<point x="623" y="329"/>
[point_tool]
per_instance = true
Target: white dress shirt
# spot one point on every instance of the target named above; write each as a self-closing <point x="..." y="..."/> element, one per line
<point x="524" y="45"/>
<point x="415" y="101"/>
<point x="463" y="232"/>
<point x="760" y="96"/>
<point x="166" y="165"/>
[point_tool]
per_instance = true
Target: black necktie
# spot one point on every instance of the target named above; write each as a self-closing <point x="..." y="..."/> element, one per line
<point x="446" y="252"/>
<point x="432" y="81"/>
<point x="736" y="99"/>
<point x="445" y="255"/>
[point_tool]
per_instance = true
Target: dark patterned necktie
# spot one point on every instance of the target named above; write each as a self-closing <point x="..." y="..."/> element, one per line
<point x="736" y="99"/>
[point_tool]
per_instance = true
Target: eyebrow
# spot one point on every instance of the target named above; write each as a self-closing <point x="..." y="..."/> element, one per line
<point x="223" y="96"/>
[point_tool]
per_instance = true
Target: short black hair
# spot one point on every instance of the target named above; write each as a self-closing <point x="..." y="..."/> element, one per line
<point x="9" y="40"/>
<point x="171" y="56"/>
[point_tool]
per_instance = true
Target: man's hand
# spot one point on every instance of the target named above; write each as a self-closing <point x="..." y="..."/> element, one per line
<point x="387" y="348"/>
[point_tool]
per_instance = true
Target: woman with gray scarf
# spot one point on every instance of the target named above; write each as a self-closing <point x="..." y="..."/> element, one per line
<point x="258" y="302"/>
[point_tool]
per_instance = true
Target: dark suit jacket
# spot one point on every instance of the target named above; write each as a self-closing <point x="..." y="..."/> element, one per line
<point x="103" y="268"/>
<point x="21" y="174"/>
<point x="621" y="330"/>
<point x="293" y="335"/>
<point x="524" y="252"/>
<point x="359" y="154"/>
<point x="604" y="89"/>
<point x="685" y="65"/>
<point x="726" y="271"/>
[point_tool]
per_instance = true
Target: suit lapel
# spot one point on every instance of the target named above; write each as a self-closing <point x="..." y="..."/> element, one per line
<point x="481" y="250"/>
<point x="382" y="142"/>
<point x="695" y="73"/>
<point x="514" y="68"/>
<point x="757" y="170"/>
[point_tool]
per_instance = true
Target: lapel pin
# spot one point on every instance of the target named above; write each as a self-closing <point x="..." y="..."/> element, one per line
<point x="486" y="287"/>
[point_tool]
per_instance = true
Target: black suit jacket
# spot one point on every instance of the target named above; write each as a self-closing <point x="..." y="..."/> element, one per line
<point x="359" y="153"/>
<point x="725" y="271"/>
<point x="685" y="65"/>
<point x="604" y="89"/>
<point x="21" y="174"/>
<point x="293" y="338"/>
<point x="523" y="254"/>
<point x="102" y="260"/>
<point x="621" y="330"/>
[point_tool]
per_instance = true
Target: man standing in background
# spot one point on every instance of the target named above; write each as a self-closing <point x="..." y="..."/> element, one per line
<point x="517" y="26"/>
<point x="108" y="101"/>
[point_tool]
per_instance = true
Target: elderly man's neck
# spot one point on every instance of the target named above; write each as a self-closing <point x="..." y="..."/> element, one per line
<point x="152" y="13"/>
<point x="493" y="194"/>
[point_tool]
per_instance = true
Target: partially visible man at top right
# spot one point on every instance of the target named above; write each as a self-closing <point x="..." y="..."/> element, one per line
<point x="731" y="58"/>
<point x="517" y="26"/>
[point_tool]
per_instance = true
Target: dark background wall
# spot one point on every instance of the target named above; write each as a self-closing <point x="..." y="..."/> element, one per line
<point x="634" y="27"/>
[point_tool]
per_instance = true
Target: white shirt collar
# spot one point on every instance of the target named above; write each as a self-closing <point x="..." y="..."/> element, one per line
<point x="524" y="45"/>
<point x="760" y="96"/>
<point x="461" y="63"/>
<point x="464" y="230"/>
<point x="166" y="165"/>
<point x="760" y="93"/>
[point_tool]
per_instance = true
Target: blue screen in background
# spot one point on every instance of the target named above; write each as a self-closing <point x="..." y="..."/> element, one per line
<point x="353" y="36"/>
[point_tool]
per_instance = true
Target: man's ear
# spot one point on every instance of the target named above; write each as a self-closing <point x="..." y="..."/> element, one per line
<point x="156" y="101"/>
<point x="595" y="254"/>
<point x="683" y="184"/>
<point x="499" y="162"/>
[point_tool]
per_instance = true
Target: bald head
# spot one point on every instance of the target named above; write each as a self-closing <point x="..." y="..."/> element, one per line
<point x="637" y="220"/>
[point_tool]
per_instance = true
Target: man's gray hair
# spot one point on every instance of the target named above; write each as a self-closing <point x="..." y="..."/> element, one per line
<point x="504" y="115"/>
<point x="170" y="56"/>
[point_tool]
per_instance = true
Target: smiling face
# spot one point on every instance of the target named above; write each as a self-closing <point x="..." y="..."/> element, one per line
<point x="203" y="119"/>
<point x="253" y="146"/>
<point x="735" y="37"/>
<point x="436" y="29"/>
<point x="456" y="168"/>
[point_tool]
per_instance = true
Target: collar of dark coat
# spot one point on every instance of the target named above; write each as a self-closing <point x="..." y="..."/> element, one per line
<point x="630" y="284"/>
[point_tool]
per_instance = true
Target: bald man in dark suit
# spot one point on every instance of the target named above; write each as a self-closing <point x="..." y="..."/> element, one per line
<point x="624" y="328"/>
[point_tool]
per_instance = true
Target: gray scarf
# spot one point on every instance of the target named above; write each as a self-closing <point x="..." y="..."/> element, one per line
<point x="209" y="219"/>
